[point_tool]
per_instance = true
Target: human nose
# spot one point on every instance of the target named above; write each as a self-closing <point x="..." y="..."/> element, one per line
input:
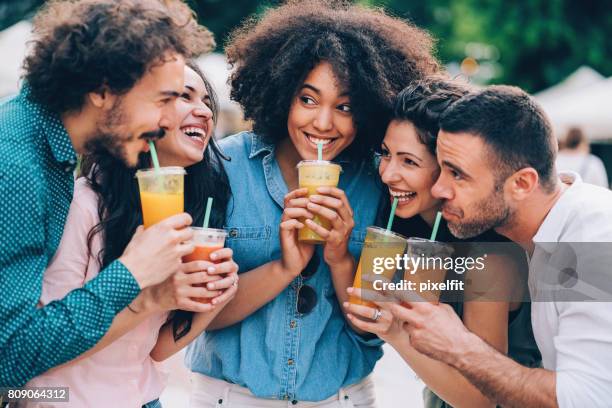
<point x="323" y="120"/>
<point x="441" y="188"/>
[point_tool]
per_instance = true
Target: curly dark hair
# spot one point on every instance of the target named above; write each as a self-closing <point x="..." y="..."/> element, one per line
<point x="81" y="47"/>
<point x="423" y="102"/>
<point x="372" y="54"/>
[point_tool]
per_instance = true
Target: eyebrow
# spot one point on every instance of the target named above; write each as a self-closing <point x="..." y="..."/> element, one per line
<point x="454" y="167"/>
<point x="170" y="93"/>
<point x="404" y="153"/>
<point x="191" y="88"/>
<point x="318" y="91"/>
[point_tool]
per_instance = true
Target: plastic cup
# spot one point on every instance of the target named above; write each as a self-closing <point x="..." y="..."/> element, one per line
<point x="433" y="271"/>
<point x="379" y="243"/>
<point x="313" y="174"/>
<point x="161" y="193"/>
<point x="206" y="241"/>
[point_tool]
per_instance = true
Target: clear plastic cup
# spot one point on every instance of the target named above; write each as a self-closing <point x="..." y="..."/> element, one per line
<point x="161" y="193"/>
<point x="379" y="243"/>
<point x="206" y="241"/>
<point x="433" y="270"/>
<point x="313" y="174"/>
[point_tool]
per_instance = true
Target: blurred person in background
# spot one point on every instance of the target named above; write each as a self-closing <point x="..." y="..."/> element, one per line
<point x="575" y="155"/>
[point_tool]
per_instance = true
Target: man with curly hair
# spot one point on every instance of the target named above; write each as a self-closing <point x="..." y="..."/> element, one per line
<point x="307" y="72"/>
<point x="102" y="74"/>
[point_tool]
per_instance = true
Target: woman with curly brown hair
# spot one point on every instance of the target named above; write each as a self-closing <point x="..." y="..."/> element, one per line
<point x="306" y="73"/>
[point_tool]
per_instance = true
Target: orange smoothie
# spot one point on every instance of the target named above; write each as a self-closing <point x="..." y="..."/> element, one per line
<point x="206" y="241"/>
<point x="201" y="253"/>
<point x="379" y="243"/>
<point x="159" y="206"/>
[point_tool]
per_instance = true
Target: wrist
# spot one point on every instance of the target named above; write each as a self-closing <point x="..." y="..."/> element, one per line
<point x="344" y="263"/>
<point x="134" y="270"/>
<point x="466" y="346"/>
<point x="144" y="303"/>
<point x="282" y="272"/>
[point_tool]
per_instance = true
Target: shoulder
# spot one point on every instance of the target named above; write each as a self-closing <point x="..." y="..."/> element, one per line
<point x="589" y="218"/>
<point x="238" y="145"/>
<point x="85" y="199"/>
<point x="18" y="131"/>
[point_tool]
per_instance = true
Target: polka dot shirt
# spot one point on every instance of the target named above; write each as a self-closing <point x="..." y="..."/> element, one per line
<point x="37" y="162"/>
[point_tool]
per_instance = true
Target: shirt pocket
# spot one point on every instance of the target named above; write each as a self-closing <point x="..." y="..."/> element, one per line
<point x="251" y="245"/>
<point x="356" y="241"/>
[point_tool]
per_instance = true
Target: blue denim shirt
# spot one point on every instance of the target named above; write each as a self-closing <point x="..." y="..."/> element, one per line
<point x="275" y="352"/>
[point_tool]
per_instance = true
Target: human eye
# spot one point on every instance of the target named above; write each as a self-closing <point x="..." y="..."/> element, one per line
<point x="345" y="107"/>
<point x="307" y="100"/>
<point x="410" y="162"/>
<point x="186" y="96"/>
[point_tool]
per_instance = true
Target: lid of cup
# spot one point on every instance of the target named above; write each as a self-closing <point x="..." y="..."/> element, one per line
<point x="317" y="163"/>
<point x="170" y="170"/>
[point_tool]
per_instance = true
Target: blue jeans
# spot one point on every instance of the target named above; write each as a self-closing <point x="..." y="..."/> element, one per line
<point x="153" y="404"/>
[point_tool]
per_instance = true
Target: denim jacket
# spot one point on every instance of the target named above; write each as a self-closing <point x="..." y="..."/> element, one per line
<point x="276" y="352"/>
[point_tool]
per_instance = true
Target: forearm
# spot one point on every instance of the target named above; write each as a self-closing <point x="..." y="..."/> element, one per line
<point x="343" y="275"/>
<point x="256" y="288"/>
<point x="441" y="378"/>
<point x="500" y="378"/>
<point x="167" y="347"/>
<point x="63" y="329"/>
<point x="125" y="321"/>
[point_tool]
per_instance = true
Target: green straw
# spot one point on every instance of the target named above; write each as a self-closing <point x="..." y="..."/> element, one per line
<point x="434" y="232"/>
<point x="319" y="151"/>
<point x="393" y="207"/>
<point x="207" y="213"/>
<point x="154" y="155"/>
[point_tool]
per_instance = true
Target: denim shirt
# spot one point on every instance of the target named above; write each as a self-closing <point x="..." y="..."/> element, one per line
<point x="276" y="352"/>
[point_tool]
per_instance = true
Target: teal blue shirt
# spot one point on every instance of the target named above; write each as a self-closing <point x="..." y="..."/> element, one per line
<point x="276" y="352"/>
<point x="37" y="162"/>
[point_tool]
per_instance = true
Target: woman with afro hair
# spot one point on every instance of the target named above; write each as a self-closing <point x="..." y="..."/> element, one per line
<point x="305" y="73"/>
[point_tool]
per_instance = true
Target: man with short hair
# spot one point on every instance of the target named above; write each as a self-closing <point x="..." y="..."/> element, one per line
<point x="497" y="153"/>
<point x="102" y="74"/>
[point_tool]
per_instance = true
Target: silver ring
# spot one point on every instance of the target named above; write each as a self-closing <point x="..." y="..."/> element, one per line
<point x="377" y="314"/>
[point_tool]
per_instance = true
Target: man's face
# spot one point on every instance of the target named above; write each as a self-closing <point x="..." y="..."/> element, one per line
<point x="472" y="197"/>
<point x="144" y="113"/>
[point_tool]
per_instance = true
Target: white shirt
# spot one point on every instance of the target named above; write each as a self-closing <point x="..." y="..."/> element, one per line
<point x="590" y="167"/>
<point x="575" y="337"/>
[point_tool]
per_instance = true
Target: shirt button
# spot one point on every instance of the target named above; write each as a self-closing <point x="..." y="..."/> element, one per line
<point x="290" y="361"/>
<point x="292" y="324"/>
<point x="233" y="233"/>
<point x="68" y="169"/>
<point x="72" y="161"/>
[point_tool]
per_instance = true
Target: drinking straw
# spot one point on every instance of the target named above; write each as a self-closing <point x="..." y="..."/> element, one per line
<point x="319" y="151"/>
<point x="154" y="155"/>
<point x="434" y="232"/>
<point x="207" y="213"/>
<point x="393" y="207"/>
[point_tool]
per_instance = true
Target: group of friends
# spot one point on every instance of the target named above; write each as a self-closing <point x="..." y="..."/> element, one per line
<point x="92" y="301"/>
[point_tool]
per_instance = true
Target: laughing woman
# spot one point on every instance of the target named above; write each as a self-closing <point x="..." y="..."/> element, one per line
<point x="306" y="73"/>
<point x="408" y="168"/>
<point x="103" y="216"/>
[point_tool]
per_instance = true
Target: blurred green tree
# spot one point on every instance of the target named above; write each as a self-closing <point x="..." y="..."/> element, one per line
<point x="530" y="43"/>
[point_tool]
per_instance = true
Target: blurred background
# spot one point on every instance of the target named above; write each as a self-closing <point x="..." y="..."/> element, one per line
<point x="558" y="50"/>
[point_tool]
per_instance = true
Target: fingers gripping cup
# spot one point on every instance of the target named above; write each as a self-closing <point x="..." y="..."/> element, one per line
<point x="161" y="193"/>
<point x="206" y="241"/>
<point x="433" y="255"/>
<point x="379" y="244"/>
<point x="313" y="174"/>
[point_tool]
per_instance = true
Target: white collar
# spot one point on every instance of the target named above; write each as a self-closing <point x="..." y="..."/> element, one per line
<point x="550" y="230"/>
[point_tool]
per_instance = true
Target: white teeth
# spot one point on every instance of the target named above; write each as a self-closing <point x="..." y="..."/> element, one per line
<point x="403" y="196"/>
<point x="402" y="193"/>
<point x="194" y="132"/>
<point x="317" y="140"/>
